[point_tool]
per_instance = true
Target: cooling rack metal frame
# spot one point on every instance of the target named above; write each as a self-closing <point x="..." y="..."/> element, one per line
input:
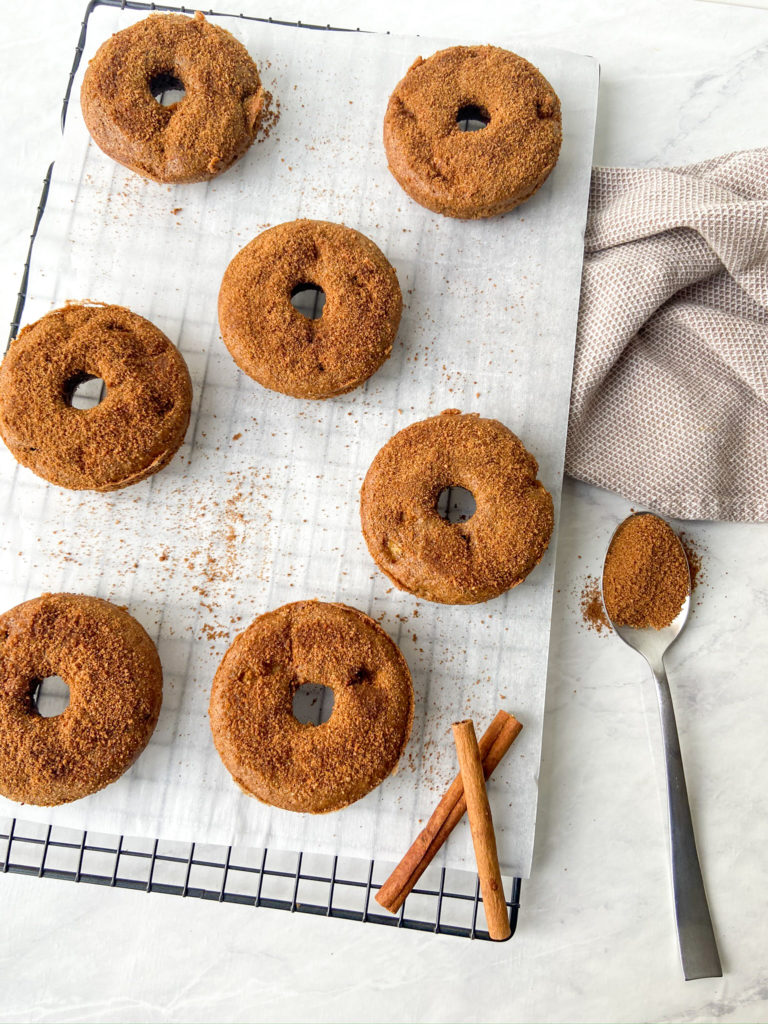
<point x="446" y="902"/>
<point x="326" y="886"/>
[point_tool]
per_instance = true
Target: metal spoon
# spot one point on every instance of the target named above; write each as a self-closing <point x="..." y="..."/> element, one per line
<point x="696" y="937"/>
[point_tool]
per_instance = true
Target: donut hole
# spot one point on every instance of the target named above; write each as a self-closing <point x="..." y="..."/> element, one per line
<point x="308" y="299"/>
<point x="313" y="704"/>
<point x="472" y="118"/>
<point x="84" y="391"/>
<point x="456" y="504"/>
<point x="167" y="88"/>
<point x="50" y="696"/>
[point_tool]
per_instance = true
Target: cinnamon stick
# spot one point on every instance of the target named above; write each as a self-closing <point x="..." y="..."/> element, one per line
<point x="494" y="743"/>
<point x="481" y="826"/>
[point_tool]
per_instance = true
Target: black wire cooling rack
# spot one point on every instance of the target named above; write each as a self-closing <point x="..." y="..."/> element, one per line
<point x="446" y="902"/>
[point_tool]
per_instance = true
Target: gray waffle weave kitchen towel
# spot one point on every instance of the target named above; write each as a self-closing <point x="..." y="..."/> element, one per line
<point x="670" y="392"/>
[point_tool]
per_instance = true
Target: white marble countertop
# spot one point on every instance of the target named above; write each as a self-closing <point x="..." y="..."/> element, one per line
<point x="681" y="81"/>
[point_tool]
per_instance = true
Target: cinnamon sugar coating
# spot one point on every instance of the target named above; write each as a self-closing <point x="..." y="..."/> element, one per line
<point x="115" y="685"/>
<point x="286" y="351"/>
<point x="646" y="577"/>
<point x="194" y="139"/>
<point x="299" y="766"/>
<point x="481" y="173"/>
<point x="455" y="563"/>
<point x="131" y="434"/>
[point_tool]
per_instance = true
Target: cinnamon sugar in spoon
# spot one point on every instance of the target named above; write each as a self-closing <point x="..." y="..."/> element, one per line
<point x="646" y="590"/>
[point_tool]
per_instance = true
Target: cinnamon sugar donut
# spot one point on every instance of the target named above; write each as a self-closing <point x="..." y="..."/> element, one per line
<point x="193" y="140"/>
<point x="300" y="766"/>
<point x="132" y="433"/>
<point x="286" y="351"/>
<point x="465" y="562"/>
<point x="480" y="173"/>
<point x="115" y="684"/>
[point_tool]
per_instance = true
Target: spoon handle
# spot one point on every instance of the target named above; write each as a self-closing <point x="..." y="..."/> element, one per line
<point x="696" y="937"/>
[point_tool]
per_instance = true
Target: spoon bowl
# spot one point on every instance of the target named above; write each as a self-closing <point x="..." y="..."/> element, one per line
<point x="696" y="937"/>
<point x="651" y="643"/>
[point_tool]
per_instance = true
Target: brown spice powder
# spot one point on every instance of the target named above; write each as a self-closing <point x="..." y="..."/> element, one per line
<point x="695" y="560"/>
<point x="591" y="605"/>
<point x="646" y="577"/>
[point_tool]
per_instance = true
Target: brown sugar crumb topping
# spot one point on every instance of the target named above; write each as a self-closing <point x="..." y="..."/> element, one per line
<point x="646" y="577"/>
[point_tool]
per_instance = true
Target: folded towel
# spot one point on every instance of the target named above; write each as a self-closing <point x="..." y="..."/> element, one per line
<point x="670" y="392"/>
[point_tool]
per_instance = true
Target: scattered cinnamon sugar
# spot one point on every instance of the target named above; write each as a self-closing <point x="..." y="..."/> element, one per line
<point x="695" y="561"/>
<point x="646" y="578"/>
<point x="591" y="604"/>
<point x="270" y="115"/>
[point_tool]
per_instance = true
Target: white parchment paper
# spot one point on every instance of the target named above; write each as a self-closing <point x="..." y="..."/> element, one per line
<point x="260" y="507"/>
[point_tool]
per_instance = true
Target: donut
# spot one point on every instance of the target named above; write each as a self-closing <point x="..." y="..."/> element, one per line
<point x="471" y="174"/>
<point x="132" y="433"/>
<point x="286" y="351"/>
<point x="464" y="562"/>
<point x="194" y="139"/>
<point x="299" y="766"/>
<point x="115" y="691"/>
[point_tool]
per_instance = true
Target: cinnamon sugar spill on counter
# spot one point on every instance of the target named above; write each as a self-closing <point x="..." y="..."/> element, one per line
<point x="591" y="605"/>
<point x="695" y="560"/>
<point x="646" y="577"/>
